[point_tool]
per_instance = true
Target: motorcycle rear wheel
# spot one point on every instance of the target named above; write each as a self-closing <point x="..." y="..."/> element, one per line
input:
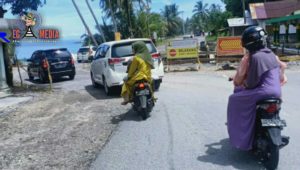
<point x="144" y="114"/>
<point x="272" y="157"/>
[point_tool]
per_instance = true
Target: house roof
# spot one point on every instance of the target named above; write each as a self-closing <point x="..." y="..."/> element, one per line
<point x="283" y="19"/>
<point x="276" y="9"/>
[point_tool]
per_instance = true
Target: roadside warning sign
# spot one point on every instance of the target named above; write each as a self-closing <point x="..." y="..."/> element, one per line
<point x="176" y="53"/>
<point x="172" y="52"/>
<point x="229" y="46"/>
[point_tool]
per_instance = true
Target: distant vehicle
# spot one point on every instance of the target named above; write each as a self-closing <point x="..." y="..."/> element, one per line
<point x="203" y="46"/>
<point x="109" y="64"/>
<point x="60" y="62"/>
<point x="187" y="37"/>
<point x="84" y="54"/>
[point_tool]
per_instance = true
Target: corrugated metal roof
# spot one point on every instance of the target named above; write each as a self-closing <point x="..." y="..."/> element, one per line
<point x="273" y="9"/>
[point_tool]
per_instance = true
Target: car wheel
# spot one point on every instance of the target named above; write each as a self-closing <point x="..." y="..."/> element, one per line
<point x="30" y="76"/>
<point x="94" y="83"/>
<point x="107" y="89"/>
<point x="72" y="76"/>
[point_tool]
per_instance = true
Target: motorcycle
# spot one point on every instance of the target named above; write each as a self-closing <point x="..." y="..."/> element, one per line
<point x="143" y="101"/>
<point x="267" y="138"/>
<point x="267" y="135"/>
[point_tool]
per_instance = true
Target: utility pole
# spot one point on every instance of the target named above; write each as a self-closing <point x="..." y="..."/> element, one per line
<point x="243" y="2"/>
<point x="97" y="23"/>
<point x="84" y="23"/>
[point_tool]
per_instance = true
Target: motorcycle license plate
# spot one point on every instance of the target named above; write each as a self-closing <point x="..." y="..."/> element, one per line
<point x="273" y="123"/>
<point x="143" y="92"/>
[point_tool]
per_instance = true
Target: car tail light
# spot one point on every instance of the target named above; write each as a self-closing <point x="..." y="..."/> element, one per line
<point x="141" y="85"/>
<point x="156" y="55"/>
<point x="72" y="61"/>
<point x="45" y="64"/>
<point x="113" y="61"/>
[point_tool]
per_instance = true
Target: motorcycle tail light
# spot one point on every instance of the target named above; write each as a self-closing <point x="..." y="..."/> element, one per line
<point x="272" y="108"/>
<point x="141" y="85"/>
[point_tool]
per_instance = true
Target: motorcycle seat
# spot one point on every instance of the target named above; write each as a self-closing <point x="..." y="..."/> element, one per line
<point x="269" y="101"/>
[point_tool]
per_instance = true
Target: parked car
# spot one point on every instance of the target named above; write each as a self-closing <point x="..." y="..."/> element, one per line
<point x="109" y="64"/>
<point x="60" y="63"/>
<point x="85" y="53"/>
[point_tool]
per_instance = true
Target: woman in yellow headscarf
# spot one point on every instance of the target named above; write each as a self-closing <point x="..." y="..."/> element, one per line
<point x="139" y="69"/>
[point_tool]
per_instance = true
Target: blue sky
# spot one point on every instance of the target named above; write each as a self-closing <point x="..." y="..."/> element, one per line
<point x="62" y="14"/>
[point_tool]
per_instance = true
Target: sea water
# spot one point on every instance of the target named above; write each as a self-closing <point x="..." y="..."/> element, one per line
<point x="25" y="49"/>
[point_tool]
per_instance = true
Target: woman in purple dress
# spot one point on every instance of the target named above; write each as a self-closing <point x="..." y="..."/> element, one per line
<point x="259" y="77"/>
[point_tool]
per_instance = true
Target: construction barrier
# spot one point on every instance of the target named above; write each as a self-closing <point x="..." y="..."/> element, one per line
<point x="182" y="51"/>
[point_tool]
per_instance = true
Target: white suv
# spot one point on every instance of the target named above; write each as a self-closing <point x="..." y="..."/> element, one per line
<point x="109" y="64"/>
<point x="84" y="53"/>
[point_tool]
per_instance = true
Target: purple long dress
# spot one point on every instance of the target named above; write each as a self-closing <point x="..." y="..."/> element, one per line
<point x="242" y="103"/>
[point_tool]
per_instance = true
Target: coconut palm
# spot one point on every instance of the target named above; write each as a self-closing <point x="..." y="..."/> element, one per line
<point x="109" y="7"/>
<point x="171" y="16"/>
<point x="201" y="12"/>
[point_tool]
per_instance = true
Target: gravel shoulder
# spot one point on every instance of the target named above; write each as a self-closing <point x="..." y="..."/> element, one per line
<point x="64" y="129"/>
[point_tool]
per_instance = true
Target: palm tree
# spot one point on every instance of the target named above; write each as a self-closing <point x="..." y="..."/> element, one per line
<point x="170" y="14"/>
<point x="110" y="7"/>
<point x="200" y="12"/>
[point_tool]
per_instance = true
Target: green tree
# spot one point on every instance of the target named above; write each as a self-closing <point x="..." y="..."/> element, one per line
<point x="19" y="6"/>
<point x="153" y="21"/>
<point x="122" y="14"/>
<point x="200" y="14"/>
<point x="217" y="19"/>
<point x="157" y="24"/>
<point x="171" y="17"/>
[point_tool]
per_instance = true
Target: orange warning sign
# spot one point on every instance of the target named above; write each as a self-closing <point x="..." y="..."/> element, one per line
<point x="229" y="46"/>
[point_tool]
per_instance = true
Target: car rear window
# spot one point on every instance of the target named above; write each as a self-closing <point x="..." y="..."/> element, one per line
<point x="58" y="53"/>
<point x="83" y="50"/>
<point x="125" y="49"/>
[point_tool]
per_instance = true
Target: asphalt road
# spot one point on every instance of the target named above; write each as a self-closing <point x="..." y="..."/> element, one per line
<point x="187" y="129"/>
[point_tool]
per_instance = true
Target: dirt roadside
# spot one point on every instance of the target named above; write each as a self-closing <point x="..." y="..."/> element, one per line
<point x="62" y="130"/>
